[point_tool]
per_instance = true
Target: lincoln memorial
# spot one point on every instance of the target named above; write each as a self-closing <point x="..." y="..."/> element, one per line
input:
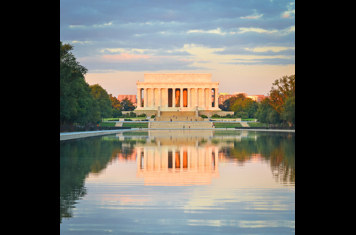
<point x="177" y="92"/>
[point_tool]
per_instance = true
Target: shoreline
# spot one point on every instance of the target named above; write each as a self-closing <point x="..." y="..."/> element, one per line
<point x="84" y="134"/>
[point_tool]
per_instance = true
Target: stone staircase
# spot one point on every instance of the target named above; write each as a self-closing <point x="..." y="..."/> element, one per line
<point x="118" y="124"/>
<point x="178" y="124"/>
<point x="178" y="116"/>
<point x="177" y="113"/>
<point x="244" y="124"/>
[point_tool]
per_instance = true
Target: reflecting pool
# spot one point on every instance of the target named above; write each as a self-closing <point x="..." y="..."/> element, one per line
<point x="179" y="181"/>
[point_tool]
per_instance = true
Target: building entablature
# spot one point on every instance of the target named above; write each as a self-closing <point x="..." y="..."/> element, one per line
<point x="177" y="85"/>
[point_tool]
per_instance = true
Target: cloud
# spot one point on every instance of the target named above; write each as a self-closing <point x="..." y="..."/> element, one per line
<point x="132" y="62"/>
<point x="257" y="30"/>
<point x="125" y="57"/>
<point x="290" y="12"/>
<point x="215" y="31"/>
<point x="257" y="51"/>
<point x="264" y="61"/>
<point x="252" y="17"/>
<point x="80" y="42"/>
<point x="140" y="30"/>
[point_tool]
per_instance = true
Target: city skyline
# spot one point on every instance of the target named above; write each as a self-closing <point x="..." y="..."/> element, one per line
<point x="246" y="45"/>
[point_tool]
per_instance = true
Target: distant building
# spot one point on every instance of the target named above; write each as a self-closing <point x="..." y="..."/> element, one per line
<point x="222" y="98"/>
<point x="132" y="98"/>
<point x="257" y="98"/>
<point x="236" y="93"/>
<point x="226" y="96"/>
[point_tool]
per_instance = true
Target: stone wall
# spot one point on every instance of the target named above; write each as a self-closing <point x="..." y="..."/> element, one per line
<point x="148" y="113"/>
<point x="209" y="113"/>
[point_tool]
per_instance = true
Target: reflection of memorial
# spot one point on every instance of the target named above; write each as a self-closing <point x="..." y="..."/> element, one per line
<point x="177" y="160"/>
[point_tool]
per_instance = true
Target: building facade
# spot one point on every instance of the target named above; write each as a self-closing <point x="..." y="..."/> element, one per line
<point x="178" y="91"/>
<point x="132" y="98"/>
<point x="257" y="98"/>
<point x="222" y="98"/>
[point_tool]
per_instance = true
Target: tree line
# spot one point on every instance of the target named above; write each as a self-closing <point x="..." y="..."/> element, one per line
<point x="79" y="102"/>
<point x="84" y="104"/>
<point x="278" y="108"/>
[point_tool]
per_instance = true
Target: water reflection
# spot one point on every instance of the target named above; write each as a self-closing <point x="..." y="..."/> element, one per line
<point x="176" y="164"/>
<point x="240" y="173"/>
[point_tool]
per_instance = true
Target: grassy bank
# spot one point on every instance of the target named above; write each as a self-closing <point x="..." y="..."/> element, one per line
<point x="257" y="124"/>
<point x="107" y="124"/>
<point x="117" y="119"/>
<point x="244" y="119"/>
<point x="226" y="125"/>
<point x="135" y="125"/>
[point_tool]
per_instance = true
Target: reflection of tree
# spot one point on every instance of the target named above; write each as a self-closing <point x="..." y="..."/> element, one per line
<point x="242" y="150"/>
<point x="277" y="148"/>
<point x="78" y="158"/>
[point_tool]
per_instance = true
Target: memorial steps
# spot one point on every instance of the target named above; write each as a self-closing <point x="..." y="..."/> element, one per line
<point x="175" y="119"/>
<point x="176" y="116"/>
<point x="118" y="124"/>
<point x="244" y="124"/>
<point x="180" y="125"/>
<point x="177" y="113"/>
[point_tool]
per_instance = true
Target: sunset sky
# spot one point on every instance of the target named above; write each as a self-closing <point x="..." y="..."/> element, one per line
<point x="246" y="45"/>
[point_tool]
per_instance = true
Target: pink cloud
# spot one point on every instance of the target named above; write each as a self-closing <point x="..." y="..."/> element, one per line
<point x="287" y="16"/>
<point x="187" y="60"/>
<point x="125" y="56"/>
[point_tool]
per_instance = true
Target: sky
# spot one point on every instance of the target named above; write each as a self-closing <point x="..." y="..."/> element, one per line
<point x="244" y="44"/>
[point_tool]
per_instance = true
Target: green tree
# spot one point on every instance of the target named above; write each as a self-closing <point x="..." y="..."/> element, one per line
<point x="76" y="105"/>
<point x="241" y="114"/>
<point x="288" y="113"/>
<point x="116" y="106"/>
<point x="127" y="105"/>
<point x="103" y="99"/>
<point x="282" y="99"/>
<point x="240" y="103"/>
<point x="263" y="109"/>
<point x="236" y="107"/>
<point x="280" y="91"/>
<point x="115" y="103"/>
<point x="250" y="106"/>
<point x="273" y="117"/>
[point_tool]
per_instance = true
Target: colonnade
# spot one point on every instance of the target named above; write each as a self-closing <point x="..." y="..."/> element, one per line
<point x="177" y="159"/>
<point x="177" y="97"/>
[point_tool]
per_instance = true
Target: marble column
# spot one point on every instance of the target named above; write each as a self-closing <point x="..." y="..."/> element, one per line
<point x="153" y="97"/>
<point x="173" y="97"/>
<point x="138" y="98"/>
<point x="160" y="96"/>
<point x="197" y="100"/>
<point x="180" y="97"/>
<point x="204" y="97"/>
<point x="145" y="97"/>
<point x="216" y="98"/>
<point x="188" y="98"/>
<point x="166" y="97"/>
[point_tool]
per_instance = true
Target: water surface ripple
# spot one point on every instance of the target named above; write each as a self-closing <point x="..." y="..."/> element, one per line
<point x="178" y="182"/>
